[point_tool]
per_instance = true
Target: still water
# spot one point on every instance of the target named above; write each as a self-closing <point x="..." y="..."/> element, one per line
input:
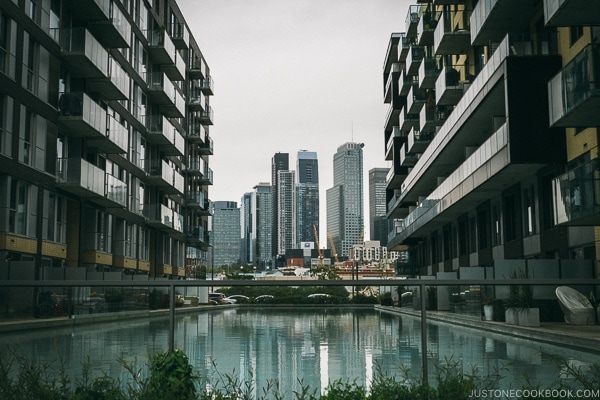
<point x="312" y="347"/>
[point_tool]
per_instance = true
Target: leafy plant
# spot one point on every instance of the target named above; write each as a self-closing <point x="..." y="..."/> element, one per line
<point x="171" y="376"/>
<point x="519" y="296"/>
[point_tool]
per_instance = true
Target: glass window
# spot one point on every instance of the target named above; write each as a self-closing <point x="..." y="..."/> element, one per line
<point x="17" y="221"/>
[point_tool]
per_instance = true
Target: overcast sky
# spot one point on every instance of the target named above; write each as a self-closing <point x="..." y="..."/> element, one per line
<point x="291" y="75"/>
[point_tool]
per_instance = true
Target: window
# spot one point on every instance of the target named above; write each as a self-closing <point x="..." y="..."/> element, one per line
<point x="496" y="229"/>
<point x="26" y="135"/>
<point x="510" y="217"/>
<point x="529" y="210"/>
<point x="3" y="42"/>
<point x="30" y="63"/>
<point x="483" y="228"/>
<point x="6" y="118"/>
<point x="17" y="220"/>
<point x="576" y="32"/>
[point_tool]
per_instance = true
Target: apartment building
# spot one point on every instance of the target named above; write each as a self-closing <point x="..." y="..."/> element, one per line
<point x="491" y="138"/>
<point x="105" y="145"/>
<point x="307" y="192"/>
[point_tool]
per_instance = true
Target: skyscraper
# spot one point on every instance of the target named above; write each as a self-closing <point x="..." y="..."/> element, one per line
<point x="262" y="224"/>
<point x="225" y="233"/>
<point x="307" y="193"/>
<point x="286" y="211"/>
<point x="345" y="199"/>
<point x="377" y="205"/>
<point x="279" y="162"/>
<point x="246" y="249"/>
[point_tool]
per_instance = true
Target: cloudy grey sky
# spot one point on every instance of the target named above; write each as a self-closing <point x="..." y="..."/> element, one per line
<point x="292" y="75"/>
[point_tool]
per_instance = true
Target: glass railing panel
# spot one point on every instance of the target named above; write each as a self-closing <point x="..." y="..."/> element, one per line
<point x="117" y="133"/>
<point x="116" y="190"/>
<point x="166" y="215"/>
<point x="80" y="40"/>
<point x="118" y="76"/>
<point x="159" y="81"/>
<point x="120" y="22"/>
<point x="577" y="193"/>
<point x="91" y="177"/>
<point x="178" y="181"/>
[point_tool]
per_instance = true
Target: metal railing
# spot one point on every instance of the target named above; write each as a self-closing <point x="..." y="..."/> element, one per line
<point x="421" y="284"/>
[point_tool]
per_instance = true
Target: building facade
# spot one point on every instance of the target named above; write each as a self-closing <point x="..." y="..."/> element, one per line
<point x="378" y="223"/>
<point x="279" y="162"/>
<point x="286" y="211"/>
<point x="246" y="218"/>
<point x="262" y="222"/>
<point x="345" y="221"/>
<point x="307" y="192"/>
<point x="225" y="234"/>
<point x="105" y="143"/>
<point x="490" y="136"/>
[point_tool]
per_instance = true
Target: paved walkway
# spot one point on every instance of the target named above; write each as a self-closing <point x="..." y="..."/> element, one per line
<point x="586" y="337"/>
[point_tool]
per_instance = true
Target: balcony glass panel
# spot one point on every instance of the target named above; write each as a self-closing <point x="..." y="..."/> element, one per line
<point x="576" y="88"/>
<point x="80" y="172"/>
<point x="207" y="84"/>
<point x="577" y="195"/>
<point x="480" y="15"/>
<point x="159" y="39"/>
<point x="166" y="216"/>
<point x="120" y="22"/>
<point x="80" y="42"/>
<point x="180" y="34"/>
<point x="196" y="198"/>
<point x="78" y="106"/>
<point x="178" y="181"/>
<point x="159" y="81"/>
<point x="479" y="157"/>
<point x="117" y="133"/>
<point x="119" y="77"/>
<point x="116" y="190"/>
<point x="177" y="221"/>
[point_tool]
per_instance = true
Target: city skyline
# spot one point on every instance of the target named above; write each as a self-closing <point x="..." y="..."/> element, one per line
<point x="309" y="77"/>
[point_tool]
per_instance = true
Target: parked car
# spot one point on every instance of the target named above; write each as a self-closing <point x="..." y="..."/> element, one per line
<point x="216" y="298"/>
<point x="239" y="298"/>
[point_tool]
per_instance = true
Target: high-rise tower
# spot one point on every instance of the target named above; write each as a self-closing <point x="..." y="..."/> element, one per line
<point x="377" y="206"/>
<point x="262" y="224"/>
<point x="225" y="233"/>
<point x="307" y="193"/>
<point x="345" y="199"/>
<point x="286" y="211"/>
<point x="279" y="162"/>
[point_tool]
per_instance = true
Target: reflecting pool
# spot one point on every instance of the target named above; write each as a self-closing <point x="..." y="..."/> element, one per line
<point x="296" y="347"/>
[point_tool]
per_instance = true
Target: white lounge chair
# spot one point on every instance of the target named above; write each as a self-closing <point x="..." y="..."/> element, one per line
<point x="577" y="308"/>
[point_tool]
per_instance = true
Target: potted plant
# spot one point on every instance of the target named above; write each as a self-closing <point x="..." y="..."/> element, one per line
<point x="488" y="308"/>
<point x="519" y="305"/>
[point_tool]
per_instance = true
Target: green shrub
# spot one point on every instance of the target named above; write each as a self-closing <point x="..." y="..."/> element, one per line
<point x="171" y="376"/>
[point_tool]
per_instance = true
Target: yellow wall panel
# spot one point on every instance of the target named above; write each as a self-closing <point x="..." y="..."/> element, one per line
<point x="56" y="250"/>
<point x="144" y="266"/>
<point x="581" y="143"/>
<point x="125" y="262"/>
<point x="18" y="243"/>
<point x="96" y="257"/>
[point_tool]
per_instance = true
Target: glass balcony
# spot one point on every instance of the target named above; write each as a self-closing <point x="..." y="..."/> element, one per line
<point x="159" y="216"/>
<point x="207" y="148"/>
<point x="403" y="48"/>
<point x="196" y="166"/>
<point x="207" y="85"/>
<point x="196" y="200"/>
<point x="206" y="116"/>
<point x="574" y="93"/>
<point x="84" y="179"/>
<point x="571" y="12"/>
<point x="160" y="173"/>
<point x="451" y="85"/>
<point x="116" y="140"/>
<point x="431" y="118"/>
<point x="396" y="139"/>
<point x="415" y="100"/>
<point x="429" y="71"/>
<point x="452" y="34"/>
<point x="113" y="31"/>
<point x="207" y="177"/>
<point x="116" y="84"/>
<point x="413" y="60"/>
<point x="397" y="173"/>
<point x="408" y="159"/>
<point x="391" y="84"/>
<point x="197" y="68"/>
<point x="83" y="53"/>
<point x="405" y="82"/>
<point x="160" y="47"/>
<point x="391" y="118"/>
<point x="412" y="20"/>
<point x="196" y="99"/>
<point x="418" y="141"/>
<point x="491" y="20"/>
<point x="577" y="195"/>
<point x="408" y="121"/>
<point x="426" y="27"/>
<point x="160" y="88"/>
<point x="196" y="236"/>
<point x="162" y="132"/>
<point x="178" y="182"/>
<point x="81" y="115"/>
<point x="196" y="132"/>
<point x="180" y="35"/>
<point x="175" y="71"/>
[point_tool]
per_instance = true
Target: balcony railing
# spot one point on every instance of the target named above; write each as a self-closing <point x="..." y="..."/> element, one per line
<point x="412" y="20"/>
<point x="87" y="180"/>
<point x="206" y="116"/>
<point x="577" y="195"/>
<point x="196" y="99"/>
<point x="413" y="59"/>
<point x="491" y="20"/>
<point x="571" y="13"/>
<point x="175" y="71"/>
<point x="160" y="88"/>
<point x="429" y="71"/>
<point x="116" y="140"/>
<point x="82" y="52"/>
<point x="116" y="84"/>
<point x="197" y="68"/>
<point x="82" y="115"/>
<point x="161" y="47"/>
<point x="207" y="85"/>
<point x="451" y="84"/>
<point x="180" y="35"/>
<point x="452" y="34"/>
<point x="196" y="132"/>
<point x="574" y="93"/>
<point x="162" y="132"/>
<point x="115" y="31"/>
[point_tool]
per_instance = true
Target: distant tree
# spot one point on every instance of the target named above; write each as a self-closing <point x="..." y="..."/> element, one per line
<point x="325" y="272"/>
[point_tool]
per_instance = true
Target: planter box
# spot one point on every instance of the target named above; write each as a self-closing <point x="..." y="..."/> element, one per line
<point x="488" y="312"/>
<point x="529" y="316"/>
<point x="511" y="316"/>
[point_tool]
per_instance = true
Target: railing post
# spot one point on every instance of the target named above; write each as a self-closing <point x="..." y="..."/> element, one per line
<point x="423" y="334"/>
<point x="172" y="318"/>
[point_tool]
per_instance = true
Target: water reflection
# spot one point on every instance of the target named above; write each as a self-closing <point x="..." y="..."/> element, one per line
<point x="314" y="347"/>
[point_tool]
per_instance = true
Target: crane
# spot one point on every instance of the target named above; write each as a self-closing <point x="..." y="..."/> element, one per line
<point x="333" y="250"/>
<point x="318" y="247"/>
